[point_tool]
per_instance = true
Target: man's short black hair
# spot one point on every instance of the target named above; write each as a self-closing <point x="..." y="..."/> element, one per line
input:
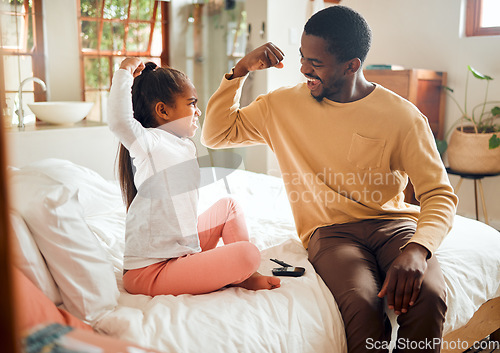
<point x="345" y="30"/>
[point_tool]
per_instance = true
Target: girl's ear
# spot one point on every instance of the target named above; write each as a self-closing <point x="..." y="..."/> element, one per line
<point x="161" y="111"/>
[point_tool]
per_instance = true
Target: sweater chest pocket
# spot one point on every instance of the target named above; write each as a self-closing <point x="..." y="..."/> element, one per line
<point x="366" y="153"/>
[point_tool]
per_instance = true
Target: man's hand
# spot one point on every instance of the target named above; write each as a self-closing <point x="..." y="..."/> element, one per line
<point x="404" y="278"/>
<point x="265" y="56"/>
<point x="133" y="65"/>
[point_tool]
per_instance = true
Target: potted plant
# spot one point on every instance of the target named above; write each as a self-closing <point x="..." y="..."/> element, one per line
<point x="474" y="145"/>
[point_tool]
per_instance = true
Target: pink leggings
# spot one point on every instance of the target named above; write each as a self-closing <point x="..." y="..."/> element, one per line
<point x="207" y="271"/>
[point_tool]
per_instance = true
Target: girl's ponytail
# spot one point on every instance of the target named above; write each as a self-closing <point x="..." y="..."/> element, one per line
<point x="126" y="176"/>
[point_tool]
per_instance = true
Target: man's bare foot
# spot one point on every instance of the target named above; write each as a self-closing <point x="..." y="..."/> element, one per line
<point x="258" y="281"/>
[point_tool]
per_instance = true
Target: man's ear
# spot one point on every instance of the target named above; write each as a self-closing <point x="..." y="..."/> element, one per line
<point x="352" y="66"/>
<point x="161" y="111"/>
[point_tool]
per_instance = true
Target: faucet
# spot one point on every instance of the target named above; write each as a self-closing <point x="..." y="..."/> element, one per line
<point x="20" y="111"/>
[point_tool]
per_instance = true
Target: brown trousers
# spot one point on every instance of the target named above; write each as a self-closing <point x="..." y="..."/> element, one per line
<point x="353" y="260"/>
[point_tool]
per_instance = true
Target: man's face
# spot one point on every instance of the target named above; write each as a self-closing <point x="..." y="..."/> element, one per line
<point x="325" y="75"/>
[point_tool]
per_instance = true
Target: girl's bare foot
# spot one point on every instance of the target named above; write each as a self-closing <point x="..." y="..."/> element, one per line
<point x="258" y="281"/>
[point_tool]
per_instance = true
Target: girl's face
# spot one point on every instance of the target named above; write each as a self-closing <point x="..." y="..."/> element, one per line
<point x="183" y="116"/>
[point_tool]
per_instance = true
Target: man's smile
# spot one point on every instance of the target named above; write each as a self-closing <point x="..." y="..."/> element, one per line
<point x="312" y="83"/>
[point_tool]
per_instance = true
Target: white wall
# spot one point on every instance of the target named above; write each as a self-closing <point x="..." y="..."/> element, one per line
<point x="283" y="21"/>
<point x="178" y="17"/>
<point x="62" y="50"/>
<point x="429" y="34"/>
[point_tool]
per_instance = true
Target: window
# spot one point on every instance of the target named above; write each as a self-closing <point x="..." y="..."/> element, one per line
<point x="21" y="45"/>
<point x="111" y="30"/>
<point x="482" y="18"/>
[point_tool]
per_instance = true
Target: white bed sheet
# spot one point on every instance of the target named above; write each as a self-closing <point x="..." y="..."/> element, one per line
<point x="301" y="316"/>
<point x="470" y="260"/>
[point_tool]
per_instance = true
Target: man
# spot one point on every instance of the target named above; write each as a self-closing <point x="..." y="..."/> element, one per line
<point x="346" y="148"/>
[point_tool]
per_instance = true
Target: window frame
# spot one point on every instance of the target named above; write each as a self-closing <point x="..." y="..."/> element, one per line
<point x="110" y="55"/>
<point x="473" y="21"/>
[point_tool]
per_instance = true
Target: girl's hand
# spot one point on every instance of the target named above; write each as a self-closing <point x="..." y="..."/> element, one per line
<point x="133" y="65"/>
<point x="265" y="56"/>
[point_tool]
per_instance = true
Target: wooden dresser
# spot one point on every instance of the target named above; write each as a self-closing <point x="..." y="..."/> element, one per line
<point x="424" y="89"/>
<point x="421" y="87"/>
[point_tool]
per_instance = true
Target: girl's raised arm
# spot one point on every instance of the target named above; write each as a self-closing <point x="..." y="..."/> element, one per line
<point x="120" y="112"/>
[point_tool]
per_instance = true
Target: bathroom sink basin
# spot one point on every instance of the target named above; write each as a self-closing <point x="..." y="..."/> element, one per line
<point x="61" y="113"/>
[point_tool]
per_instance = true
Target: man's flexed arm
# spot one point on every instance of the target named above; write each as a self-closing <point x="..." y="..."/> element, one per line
<point x="265" y="56"/>
<point x="225" y="125"/>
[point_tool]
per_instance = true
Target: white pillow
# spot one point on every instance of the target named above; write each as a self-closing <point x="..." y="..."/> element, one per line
<point x="74" y="256"/>
<point x="29" y="260"/>
<point x="97" y="195"/>
<point x="103" y="207"/>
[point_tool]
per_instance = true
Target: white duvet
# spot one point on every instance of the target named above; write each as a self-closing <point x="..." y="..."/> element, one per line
<point x="301" y="316"/>
<point x="298" y="317"/>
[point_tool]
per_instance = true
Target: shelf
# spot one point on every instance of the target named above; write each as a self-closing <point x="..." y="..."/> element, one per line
<point x="41" y="126"/>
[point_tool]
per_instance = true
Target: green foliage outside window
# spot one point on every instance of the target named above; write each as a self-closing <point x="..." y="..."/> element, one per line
<point x="119" y="34"/>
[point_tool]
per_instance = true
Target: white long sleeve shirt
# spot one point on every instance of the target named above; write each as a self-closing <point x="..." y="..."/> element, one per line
<point x="161" y="221"/>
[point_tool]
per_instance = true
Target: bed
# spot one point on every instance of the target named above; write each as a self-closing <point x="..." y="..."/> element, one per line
<point x="69" y="226"/>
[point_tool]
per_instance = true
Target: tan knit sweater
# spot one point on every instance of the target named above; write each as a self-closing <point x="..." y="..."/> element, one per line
<point x="341" y="162"/>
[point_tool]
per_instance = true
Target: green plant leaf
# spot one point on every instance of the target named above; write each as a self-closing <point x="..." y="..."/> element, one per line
<point x="479" y="75"/>
<point x="495" y="111"/>
<point x="494" y="141"/>
<point x="442" y="146"/>
<point x="448" y="88"/>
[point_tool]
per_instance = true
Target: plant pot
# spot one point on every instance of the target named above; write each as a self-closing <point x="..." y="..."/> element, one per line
<point x="469" y="152"/>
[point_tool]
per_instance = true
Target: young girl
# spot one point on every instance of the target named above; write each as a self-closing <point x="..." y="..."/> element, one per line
<point x="168" y="248"/>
